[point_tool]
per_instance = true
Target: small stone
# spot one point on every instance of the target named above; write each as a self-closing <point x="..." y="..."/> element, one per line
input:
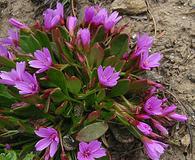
<point x="132" y="7"/>
<point x="191" y="76"/>
<point x="193" y="43"/>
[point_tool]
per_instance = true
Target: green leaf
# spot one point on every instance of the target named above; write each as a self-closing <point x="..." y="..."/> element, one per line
<point x="101" y="95"/>
<point x="119" y="45"/>
<point x="58" y="96"/>
<point x="29" y="156"/>
<point x="7" y="63"/>
<point x="29" y="43"/>
<point x="43" y="39"/>
<point x="96" y="55"/>
<point x="74" y="85"/>
<point x="4" y="92"/>
<point x="10" y="155"/>
<point x="92" y="132"/>
<point x="121" y="88"/>
<point x="64" y="33"/>
<point x="99" y="36"/>
<point x="138" y="86"/>
<point x="114" y="61"/>
<point x="58" y="78"/>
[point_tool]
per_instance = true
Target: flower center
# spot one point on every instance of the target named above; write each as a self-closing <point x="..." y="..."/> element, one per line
<point x="53" y="136"/>
<point x="86" y="153"/>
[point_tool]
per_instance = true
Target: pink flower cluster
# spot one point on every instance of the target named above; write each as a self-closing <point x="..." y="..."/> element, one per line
<point x="141" y="53"/>
<point x="156" y="111"/>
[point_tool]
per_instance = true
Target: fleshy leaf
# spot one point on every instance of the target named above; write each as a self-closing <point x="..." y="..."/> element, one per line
<point x="6" y="62"/>
<point x="96" y="55"/>
<point x="58" y="78"/>
<point x="92" y="132"/>
<point x="119" y="45"/>
<point x="74" y="85"/>
<point x="29" y="43"/>
<point x="99" y="35"/>
<point x="120" y="89"/>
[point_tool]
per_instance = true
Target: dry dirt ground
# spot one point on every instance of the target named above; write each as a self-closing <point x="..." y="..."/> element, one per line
<point x="172" y="22"/>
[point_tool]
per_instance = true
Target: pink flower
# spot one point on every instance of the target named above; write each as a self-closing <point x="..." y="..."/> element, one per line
<point x="53" y="17"/>
<point x="43" y="60"/>
<point x="100" y="17"/>
<point x="90" y="151"/>
<point x="153" y="148"/>
<point x="144" y="128"/>
<point x="89" y="14"/>
<point x="169" y="109"/>
<point x="17" y="24"/>
<point x="5" y="53"/>
<point x="28" y="85"/>
<point x="150" y="61"/>
<point x="108" y="77"/>
<point x="15" y="75"/>
<point x="161" y="128"/>
<point x="50" y="139"/>
<point x="12" y="39"/>
<point x="21" y="79"/>
<point x="153" y="106"/>
<point x="178" y="117"/>
<point x="83" y="37"/>
<point x="144" y="43"/>
<point x="71" y="24"/>
<point x="111" y="20"/>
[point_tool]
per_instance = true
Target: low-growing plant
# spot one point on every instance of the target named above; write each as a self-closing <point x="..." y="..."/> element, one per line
<point x="64" y="82"/>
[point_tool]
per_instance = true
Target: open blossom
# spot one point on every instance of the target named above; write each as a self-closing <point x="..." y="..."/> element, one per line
<point x="12" y="39"/>
<point x="153" y="106"/>
<point x="100" y="17"/>
<point x="150" y="61"/>
<point x="111" y="20"/>
<point x="83" y="37"/>
<point x="5" y="53"/>
<point x="108" y="77"/>
<point x="144" y="43"/>
<point x="144" y="128"/>
<point x="28" y="85"/>
<point x="89" y="14"/>
<point x="50" y="139"/>
<point x="43" y="60"/>
<point x="21" y="79"/>
<point x="153" y="148"/>
<point x="71" y="24"/>
<point x="17" y="24"/>
<point x="53" y="17"/>
<point x="91" y="150"/>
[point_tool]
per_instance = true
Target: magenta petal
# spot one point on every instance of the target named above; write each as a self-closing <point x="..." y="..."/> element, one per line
<point x="94" y="145"/>
<point x="42" y="144"/>
<point x="53" y="148"/>
<point x="99" y="153"/>
<point x="42" y="132"/>
<point x="83" y="146"/>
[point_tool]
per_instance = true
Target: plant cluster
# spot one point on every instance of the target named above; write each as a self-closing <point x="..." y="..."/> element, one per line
<point x="64" y="81"/>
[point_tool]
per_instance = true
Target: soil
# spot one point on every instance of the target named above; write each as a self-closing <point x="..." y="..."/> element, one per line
<point x="173" y="21"/>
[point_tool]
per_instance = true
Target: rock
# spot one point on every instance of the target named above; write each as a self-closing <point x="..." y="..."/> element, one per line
<point x="193" y="43"/>
<point x="192" y="3"/>
<point x="191" y="77"/>
<point x="132" y="7"/>
<point x="3" y="4"/>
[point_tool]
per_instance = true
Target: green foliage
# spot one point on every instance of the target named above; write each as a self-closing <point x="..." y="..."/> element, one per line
<point x="92" y="132"/>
